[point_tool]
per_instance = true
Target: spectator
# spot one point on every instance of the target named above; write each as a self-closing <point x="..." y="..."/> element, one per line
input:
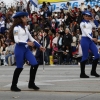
<point x="3" y="51"/>
<point x="55" y="39"/>
<point x="10" y="52"/>
<point x="82" y="6"/>
<point x="66" y="55"/>
<point x="37" y="28"/>
<point x="68" y="7"/>
<point x="74" y="40"/>
<point x="98" y="12"/>
<point x="2" y="25"/>
<point x="53" y="26"/>
<point x="50" y="8"/>
<point x="46" y="43"/>
<point x="59" y="42"/>
<point x="67" y="40"/>
<point x="96" y="8"/>
<point x="8" y="24"/>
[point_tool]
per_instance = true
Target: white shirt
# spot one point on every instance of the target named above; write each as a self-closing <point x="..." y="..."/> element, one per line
<point x="8" y="25"/>
<point x="55" y="40"/>
<point x="74" y="41"/>
<point x="86" y="29"/>
<point x="69" y="8"/>
<point x="11" y="48"/>
<point x="96" y="9"/>
<point x="21" y="35"/>
<point x="2" y="23"/>
<point x="82" y="7"/>
<point x="60" y="21"/>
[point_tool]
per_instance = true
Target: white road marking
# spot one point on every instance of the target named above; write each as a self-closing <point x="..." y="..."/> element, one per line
<point x="20" y="83"/>
<point x="45" y="82"/>
<point x="44" y="76"/>
<point x="45" y="68"/>
<point x="52" y="68"/>
<point x="65" y="80"/>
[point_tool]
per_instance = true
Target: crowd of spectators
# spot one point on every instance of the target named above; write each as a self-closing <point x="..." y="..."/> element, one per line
<point x="59" y="32"/>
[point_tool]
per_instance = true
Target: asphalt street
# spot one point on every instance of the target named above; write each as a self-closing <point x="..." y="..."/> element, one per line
<point x="56" y="82"/>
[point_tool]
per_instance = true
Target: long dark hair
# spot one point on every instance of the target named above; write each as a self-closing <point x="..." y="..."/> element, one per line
<point x="17" y="21"/>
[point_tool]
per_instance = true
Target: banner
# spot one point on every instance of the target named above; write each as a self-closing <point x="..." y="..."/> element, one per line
<point x="52" y="1"/>
<point x="57" y="4"/>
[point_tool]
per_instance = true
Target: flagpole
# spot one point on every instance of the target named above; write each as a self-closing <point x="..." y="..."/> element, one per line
<point x="43" y="53"/>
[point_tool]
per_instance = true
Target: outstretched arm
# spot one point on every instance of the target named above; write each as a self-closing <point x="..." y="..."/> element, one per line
<point x="35" y="42"/>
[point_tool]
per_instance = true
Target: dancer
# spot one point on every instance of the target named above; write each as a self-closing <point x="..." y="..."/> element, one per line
<point x="20" y="34"/>
<point x="88" y="44"/>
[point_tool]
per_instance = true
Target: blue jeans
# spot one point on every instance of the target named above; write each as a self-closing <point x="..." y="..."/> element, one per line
<point x="46" y="55"/>
<point x="6" y="57"/>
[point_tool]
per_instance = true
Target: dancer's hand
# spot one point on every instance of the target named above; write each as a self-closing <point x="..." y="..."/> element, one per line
<point x="42" y="48"/>
<point x="94" y="39"/>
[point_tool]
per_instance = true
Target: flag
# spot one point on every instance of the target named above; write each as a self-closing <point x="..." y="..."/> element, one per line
<point x="35" y="2"/>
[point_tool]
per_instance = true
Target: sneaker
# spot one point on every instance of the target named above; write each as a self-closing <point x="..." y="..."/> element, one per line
<point x="46" y="63"/>
<point x="5" y="64"/>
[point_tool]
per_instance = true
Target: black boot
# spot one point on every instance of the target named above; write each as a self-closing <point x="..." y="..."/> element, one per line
<point x="93" y="71"/>
<point x="15" y="80"/>
<point x="82" y="67"/>
<point x="33" y="71"/>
